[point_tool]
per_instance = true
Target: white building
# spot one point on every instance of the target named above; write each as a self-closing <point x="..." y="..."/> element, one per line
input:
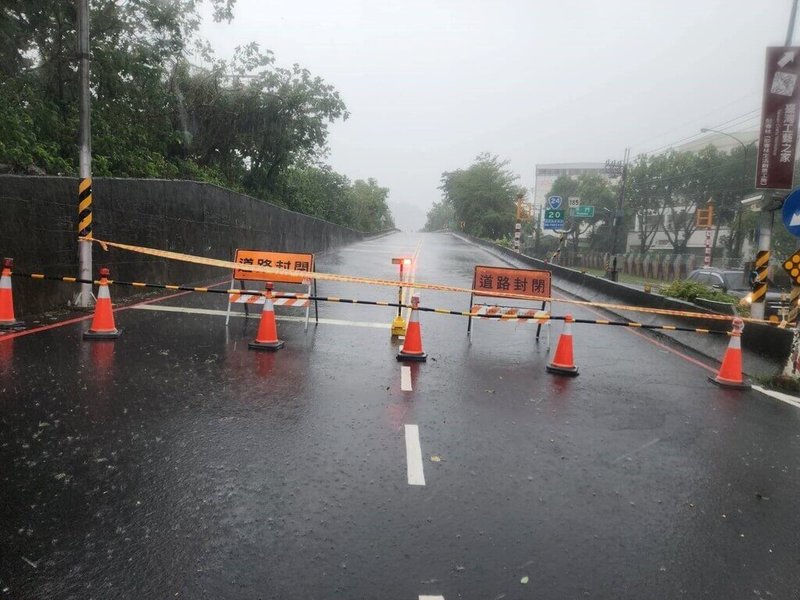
<point x="697" y="240"/>
<point x="696" y="244"/>
<point x="546" y="176"/>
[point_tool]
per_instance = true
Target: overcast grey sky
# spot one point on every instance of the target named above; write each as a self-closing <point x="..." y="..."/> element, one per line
<point x="430" y="84"/>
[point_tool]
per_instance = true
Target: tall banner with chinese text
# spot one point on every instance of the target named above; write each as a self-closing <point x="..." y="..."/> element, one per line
<point x="778" y="139"/>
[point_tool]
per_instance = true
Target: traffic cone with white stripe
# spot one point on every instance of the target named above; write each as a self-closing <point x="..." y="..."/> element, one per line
<point x="7" y="320"/>
<point x="563" y="362"/>
<point x="103" y="327"/>
<point x="730" y="373"/>
<point x="412" y="345"/>
<point x="267" y="336"/>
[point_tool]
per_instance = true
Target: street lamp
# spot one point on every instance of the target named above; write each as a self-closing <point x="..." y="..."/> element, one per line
<point x="744" y="173"/>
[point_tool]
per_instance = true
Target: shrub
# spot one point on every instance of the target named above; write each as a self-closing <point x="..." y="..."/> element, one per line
<point x="691" y="290"/>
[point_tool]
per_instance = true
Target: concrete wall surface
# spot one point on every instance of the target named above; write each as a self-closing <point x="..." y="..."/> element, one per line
<point x="39" y="220"/>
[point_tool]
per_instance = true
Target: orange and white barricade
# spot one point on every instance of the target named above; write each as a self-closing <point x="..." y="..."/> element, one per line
<point x="280" y="260"/>
<point x="492" y="282"/>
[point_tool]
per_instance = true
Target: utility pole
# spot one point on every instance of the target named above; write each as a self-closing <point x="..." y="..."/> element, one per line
<point x="790" y="30"/>
<point x="793" y="363"/>
<point x="615" y="167"/>
<point x="518" y="224"/>
<point x="523" y="214"/>
<point x="84" y="298"/>
<point x="794" y="298"/>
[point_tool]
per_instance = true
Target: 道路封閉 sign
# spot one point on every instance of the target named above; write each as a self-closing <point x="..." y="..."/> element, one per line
<point x="278" y="260"/>
<point x="491" y="281"/>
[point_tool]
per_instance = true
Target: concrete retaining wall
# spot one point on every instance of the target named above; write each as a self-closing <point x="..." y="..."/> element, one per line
<point x="39" y="217"/>
<point x="770" y="346"/>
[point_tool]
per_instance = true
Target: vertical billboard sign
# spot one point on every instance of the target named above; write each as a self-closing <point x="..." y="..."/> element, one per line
<point x="778" y="138"/>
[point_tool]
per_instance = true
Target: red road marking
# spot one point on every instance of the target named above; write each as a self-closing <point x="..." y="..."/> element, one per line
<point x="41" y="328"/>
<point x="677" y="353"/>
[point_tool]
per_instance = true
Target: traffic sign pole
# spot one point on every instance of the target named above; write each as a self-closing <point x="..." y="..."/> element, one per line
<point x="762" y="263"/>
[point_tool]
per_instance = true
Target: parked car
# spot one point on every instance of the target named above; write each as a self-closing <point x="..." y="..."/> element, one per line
<point x="735" y="282"/>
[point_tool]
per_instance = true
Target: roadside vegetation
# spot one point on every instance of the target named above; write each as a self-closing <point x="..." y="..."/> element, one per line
<point x="164" y="106"/>
<point x="662" y="193"/>
<point x="478" y="200"/>
<point x="691" y="291"/>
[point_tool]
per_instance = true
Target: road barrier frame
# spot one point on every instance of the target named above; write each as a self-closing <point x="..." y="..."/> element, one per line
<point x="269" y="258"/>
<point x="523" y="275"/>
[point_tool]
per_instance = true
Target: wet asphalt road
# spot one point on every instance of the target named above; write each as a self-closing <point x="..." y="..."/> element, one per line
<point x="175" y="463"/>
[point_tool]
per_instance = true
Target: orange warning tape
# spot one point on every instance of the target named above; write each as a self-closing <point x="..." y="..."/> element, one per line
<point x="227" y="264"/>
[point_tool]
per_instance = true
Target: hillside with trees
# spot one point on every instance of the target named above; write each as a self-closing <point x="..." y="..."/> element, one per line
<point x="244" y="123"/>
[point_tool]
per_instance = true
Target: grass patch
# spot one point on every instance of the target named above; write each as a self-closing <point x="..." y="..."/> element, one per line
<point x="779" y="383"/>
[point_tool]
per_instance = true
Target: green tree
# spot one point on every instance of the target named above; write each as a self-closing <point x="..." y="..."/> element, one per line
<point x="482" y="196"/>
<point x="319" y="191"/>
<point x="244" y="123"/>
<point x="593" y="190"/>
<point x="371" y="211"/>
<point x="644" y="201"/>
<point x="130" y="44"/>
<point x="440" y="216"/>
<point x="252" y="120"/>
<point x="664" y="191"/>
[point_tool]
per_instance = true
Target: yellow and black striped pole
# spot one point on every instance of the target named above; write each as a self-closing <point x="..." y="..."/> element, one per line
<point x="794" y="309"/>
<point x="84" y="298"/>
<point x="85" y="207"/>
<point x="759" y="295"/>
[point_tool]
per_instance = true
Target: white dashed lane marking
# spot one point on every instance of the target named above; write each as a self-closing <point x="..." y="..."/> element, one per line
<point x="405" y="379"/>
<point x="416" y="476"/>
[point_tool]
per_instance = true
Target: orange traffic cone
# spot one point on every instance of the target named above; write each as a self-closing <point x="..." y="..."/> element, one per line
<point x="412" y="345"/>
<point x="7" y="320"/>
<point x="103" y="327"/>
<point x="267" y="336"/>
<point x="730" y="373"/>
<point x="563" y="362"/>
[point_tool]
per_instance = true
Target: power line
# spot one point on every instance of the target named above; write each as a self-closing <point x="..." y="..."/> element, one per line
<point x="693" y="121"/>
<point x="730" y="123"/>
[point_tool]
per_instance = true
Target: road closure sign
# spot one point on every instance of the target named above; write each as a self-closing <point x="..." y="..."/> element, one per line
<point x="778" y="138"/>
<point x="491" y="281"/>
<point x="278" y="260"/>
